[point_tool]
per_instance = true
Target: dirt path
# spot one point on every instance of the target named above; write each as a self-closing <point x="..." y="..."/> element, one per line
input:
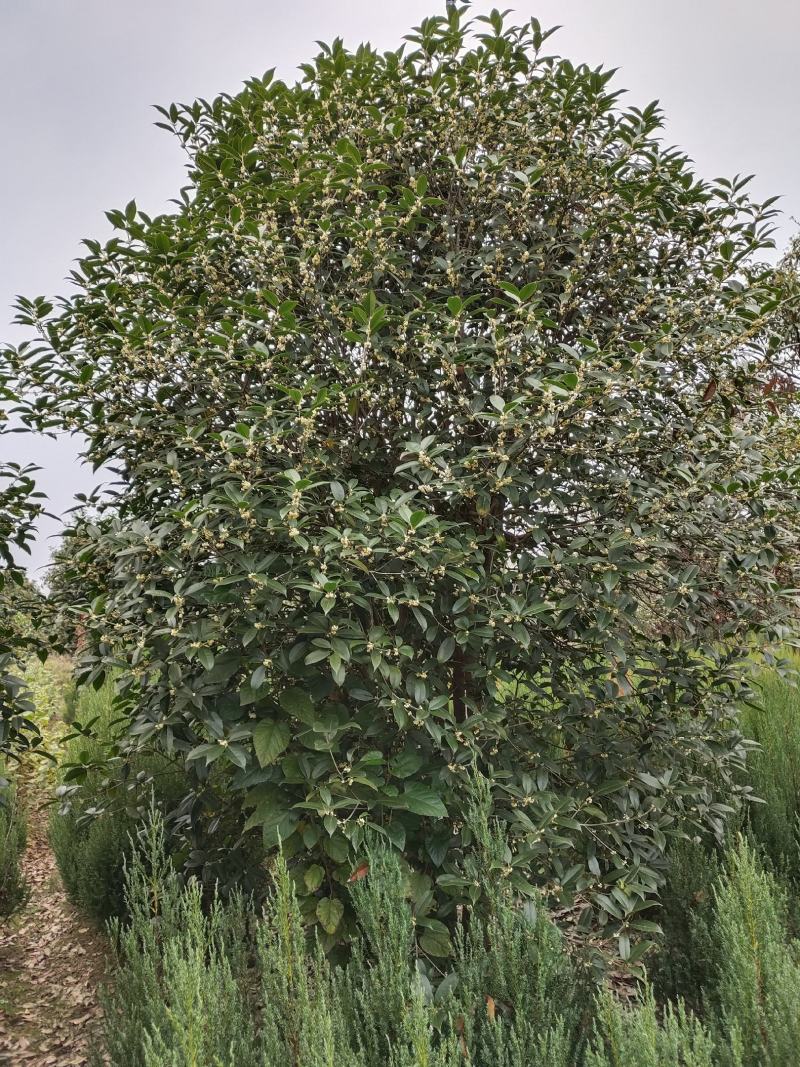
<point x="51" y="962"/>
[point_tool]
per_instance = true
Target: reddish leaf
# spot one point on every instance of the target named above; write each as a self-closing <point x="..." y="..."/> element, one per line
<point x="459" y="1022"/>
<point x="711" y="388"/>
<point x="360" y="872"/>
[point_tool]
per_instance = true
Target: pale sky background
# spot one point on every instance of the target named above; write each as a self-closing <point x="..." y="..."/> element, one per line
<point x="77" y="78"/>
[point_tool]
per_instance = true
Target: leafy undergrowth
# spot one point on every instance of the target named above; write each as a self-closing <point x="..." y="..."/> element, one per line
<point x="13" y="837"/>
<point x="92" y="851"/>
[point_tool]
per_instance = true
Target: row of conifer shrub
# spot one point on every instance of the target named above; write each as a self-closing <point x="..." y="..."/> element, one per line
<point x="229" y="987"/>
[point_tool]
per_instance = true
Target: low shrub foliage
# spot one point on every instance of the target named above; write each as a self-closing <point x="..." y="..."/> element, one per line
<point x="101" y="801"/>
<point x="237" y="986"/>
<point x="13" y="838"/>
<point x="773" y="770"/>
<point x="681" y="966"/>
<point x="755" y="996"/>
<point x="644" y="1036"/>
<point x="189" y="984"/>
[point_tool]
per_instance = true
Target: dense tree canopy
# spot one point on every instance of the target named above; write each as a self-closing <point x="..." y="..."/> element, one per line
<point x="437" y="410"/>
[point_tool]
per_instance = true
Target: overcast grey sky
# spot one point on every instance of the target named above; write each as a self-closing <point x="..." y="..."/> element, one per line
<point x="77" y="78"/>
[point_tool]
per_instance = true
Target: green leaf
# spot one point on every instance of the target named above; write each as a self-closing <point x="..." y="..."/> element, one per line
<point x="330" y="912"/>
<point x="270" y="739"/>
<point x="422" y="800"/>
<point x="298" y="703"/>
<point x="437" y="845"/>
<point x="248" y="695"/>
<point x="316" y="655"/>
<point x="272" y="814"/>
<point x="419" y="889"/>
<point x="236" y="755"/>
<point x="210" y="751"/>
<point x="313" y="877"/>
<point x="206" y="658"/>
<point x="624" y="943"/>
<point x="446" y="649"/>
<point x="610" y="579"/>
<point x="453" y="881"/>
<point x="435" y="940"/>
<point x="396" y="833"/>
<point x="405" y="764"/>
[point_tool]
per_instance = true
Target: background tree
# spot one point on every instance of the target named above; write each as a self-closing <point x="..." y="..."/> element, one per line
<point x="431" y="407"/>
<point x="20" y="505"/>
<point x="78" y="573"/>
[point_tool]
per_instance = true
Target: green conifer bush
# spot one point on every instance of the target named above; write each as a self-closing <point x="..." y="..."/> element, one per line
<point x="773" y="770"/>
<point x="641" y="1036"/>
<point x="512" y="994"/>
<point x="755" y="990"/>
<point x="178" y="996"/>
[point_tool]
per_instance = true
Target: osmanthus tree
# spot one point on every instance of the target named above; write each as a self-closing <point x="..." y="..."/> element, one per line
<point x="20" y="506"/>
<point x="80" y="566"/>
<point x="441" y="450"/>
<point x="780" y="370"/>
